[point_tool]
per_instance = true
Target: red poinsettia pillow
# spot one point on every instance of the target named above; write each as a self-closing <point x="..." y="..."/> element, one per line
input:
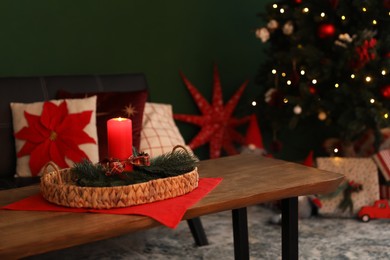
<point x="59" y="131"/>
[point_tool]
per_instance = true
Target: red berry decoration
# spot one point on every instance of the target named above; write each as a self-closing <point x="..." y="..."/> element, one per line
<point x="386" y="91"/>
<point x="312" y="90"/>
<point x="326" y="30"/>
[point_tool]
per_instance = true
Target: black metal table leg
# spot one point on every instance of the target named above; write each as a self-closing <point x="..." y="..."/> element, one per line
<point x="290" y="228"/>
<point x="240" y="234"/>
<point x="197" y="231"/>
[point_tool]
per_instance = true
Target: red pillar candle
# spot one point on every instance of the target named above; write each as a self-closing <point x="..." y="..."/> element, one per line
<point x="120" y="138"/>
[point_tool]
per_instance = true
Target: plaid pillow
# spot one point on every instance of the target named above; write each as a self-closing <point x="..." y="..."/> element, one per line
<point x="159" y="132"/>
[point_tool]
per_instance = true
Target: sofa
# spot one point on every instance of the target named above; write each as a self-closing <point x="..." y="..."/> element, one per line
<point x="113" y="88"/>
<point x="35" y="89"/>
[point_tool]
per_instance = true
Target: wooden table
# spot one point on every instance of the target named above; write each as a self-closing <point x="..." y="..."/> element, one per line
<point x="247" y="180"/>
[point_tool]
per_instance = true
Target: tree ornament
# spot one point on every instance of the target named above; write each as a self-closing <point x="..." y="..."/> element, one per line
<point x="343" y="40"/>
<point x="366" y="53"/>
<point x="326" y="30"/>
<point x="216" y="122"/>
<point x="346" y="37"/>
<point x="297" y="109"/>
<point x="298" y="1"/>
<point x="322" y="116"/>
<point x="272" y="25"/>
<point x="273" y="97"/>
<point x="263" y="34"/>
<point x="386" y="91"/>
<point x="312" y="89"/>
<point x="288" y="28"/>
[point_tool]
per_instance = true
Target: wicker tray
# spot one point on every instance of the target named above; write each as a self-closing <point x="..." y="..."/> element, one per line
<point x="58" y="188"/>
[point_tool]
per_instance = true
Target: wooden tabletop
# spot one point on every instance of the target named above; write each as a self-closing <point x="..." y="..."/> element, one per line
<point x="247" y="180"/>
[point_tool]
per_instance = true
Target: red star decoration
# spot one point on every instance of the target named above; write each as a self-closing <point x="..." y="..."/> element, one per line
<point x="54" y="135"/>
<point x="216" y="122"/>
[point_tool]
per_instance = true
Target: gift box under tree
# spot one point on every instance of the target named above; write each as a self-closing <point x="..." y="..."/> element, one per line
<point x="361" y="186"/>
<point x="382" y="159"/>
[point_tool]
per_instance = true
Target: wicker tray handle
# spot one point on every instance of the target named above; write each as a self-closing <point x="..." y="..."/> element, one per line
<point x="56" y="169"/>
<point x="180" y="146"/>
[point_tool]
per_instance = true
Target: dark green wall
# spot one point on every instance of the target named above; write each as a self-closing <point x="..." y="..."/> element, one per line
<point x="158" y="38"/>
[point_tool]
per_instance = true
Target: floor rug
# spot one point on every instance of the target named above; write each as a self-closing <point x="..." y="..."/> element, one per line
<point x="319" y="238"/>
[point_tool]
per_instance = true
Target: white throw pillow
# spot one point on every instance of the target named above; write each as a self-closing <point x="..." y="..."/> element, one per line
<point x="60" y="131"/>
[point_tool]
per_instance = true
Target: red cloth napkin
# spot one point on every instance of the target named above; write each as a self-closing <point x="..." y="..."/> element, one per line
<point x="168" y="212"/>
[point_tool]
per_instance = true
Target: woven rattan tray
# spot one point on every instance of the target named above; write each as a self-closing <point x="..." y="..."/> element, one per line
<point x="58" y="188"/>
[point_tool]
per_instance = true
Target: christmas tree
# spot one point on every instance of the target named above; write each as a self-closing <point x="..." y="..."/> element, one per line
<point x="327" y="72"/>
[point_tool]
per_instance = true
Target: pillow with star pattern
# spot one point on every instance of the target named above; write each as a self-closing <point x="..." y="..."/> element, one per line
<point x="115" y="104"/>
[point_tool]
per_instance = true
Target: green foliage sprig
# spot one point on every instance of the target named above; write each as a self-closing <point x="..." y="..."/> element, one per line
<point x="171" y="164"/>
<point x="177" y="162"/>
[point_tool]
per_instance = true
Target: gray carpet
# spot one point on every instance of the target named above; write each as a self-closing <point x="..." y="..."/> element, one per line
<point x="319" y="238"/>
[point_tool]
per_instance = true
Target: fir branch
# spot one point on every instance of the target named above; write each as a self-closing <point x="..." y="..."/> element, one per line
<point x="172" y="164"/>
<point x="88" y="170"/>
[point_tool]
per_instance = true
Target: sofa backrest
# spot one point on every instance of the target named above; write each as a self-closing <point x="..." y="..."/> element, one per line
<point x="34" y="89"/>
